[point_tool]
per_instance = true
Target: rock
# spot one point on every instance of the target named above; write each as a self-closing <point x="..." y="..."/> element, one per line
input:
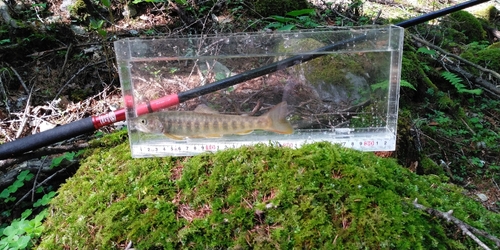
<point x="482" y="197"/>
<point x="78" y="30"/>
<point x="356" y="89"/>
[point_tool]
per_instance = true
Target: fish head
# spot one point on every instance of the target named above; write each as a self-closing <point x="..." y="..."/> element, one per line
<point x="149" y="124"/>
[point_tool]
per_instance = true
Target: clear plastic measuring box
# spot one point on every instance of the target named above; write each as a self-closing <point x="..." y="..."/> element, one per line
<point x="346" y="94"/>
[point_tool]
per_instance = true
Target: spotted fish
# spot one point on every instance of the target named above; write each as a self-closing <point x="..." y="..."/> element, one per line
<point x="204" y="122"/>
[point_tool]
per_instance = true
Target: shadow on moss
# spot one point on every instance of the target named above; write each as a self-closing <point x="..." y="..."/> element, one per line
<point x="318" y="196"/>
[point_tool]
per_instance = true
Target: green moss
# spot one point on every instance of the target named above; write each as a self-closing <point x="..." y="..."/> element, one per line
<point x="327" y="69"/>
<point x="493" y="13"/>
<point x="488" y="58"/>
<point x="410" y="70"/>
<point x="319" y="196"/>
<point x="494" y="46"/>
<point x="110" y="140"/>
<point x="488" y="13"/>
<point x="406" y="149"/>
<point x="78" y="9"/>
<point x="469" y="25"/>
<point x="430" y="167"/>
<point x="444" y="102"/>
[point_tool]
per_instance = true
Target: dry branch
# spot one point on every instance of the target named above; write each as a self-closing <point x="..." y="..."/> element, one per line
<point x="41" y="152"/>
<point x="466" y="228"/>
<point x="19" y="78"/>
<point x="32" y="191"/>
<point x="26" y="112"/>
<point x="485" y="84"/>
<point x="77" y="73"/>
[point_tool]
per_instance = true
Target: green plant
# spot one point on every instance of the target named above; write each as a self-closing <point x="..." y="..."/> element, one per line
<point x="384" y="85"/>
<point x="66" y="156"/>
<point x="20" y="233"/>
<point x="45" y="199"/>
<point x="457" y="82"/>
<point x="426" y="51"/>
<point x="97" y="25"/>
<point x="293" y="19"/>
<point x="25" y="175"/>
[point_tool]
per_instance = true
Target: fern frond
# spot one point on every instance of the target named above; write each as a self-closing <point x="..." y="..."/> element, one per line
<point x="427" y="51"/>
<point x="456" y="81"/>
<point x="384" y="85"/>
<point x="407" y="84"/>
<point x="452" y="78"/>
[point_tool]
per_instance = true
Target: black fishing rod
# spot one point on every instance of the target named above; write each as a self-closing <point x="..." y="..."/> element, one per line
<point x="90" y="124"/>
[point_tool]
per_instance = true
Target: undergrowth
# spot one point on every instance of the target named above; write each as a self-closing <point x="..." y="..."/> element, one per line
<point x="319" y="196"/>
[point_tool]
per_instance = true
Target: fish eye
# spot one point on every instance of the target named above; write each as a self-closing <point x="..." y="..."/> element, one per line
<point x="143" y="121"/>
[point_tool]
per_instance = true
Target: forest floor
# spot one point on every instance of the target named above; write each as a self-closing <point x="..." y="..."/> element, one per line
<point x="58" y="66"/>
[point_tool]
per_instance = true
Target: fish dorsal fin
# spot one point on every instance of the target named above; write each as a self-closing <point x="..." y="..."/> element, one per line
<point x="202" y="108"/>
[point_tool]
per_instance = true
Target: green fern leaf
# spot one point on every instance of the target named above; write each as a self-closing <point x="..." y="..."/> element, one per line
<point x="384" y="85"/>
<point x="456" y="81"/>
<point x="427" y="51"/>
<point x="407" y="84"/>
<point x="452" y="78"/>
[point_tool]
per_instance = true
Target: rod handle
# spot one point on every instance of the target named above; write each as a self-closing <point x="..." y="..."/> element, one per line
<point x="45" y="138"/>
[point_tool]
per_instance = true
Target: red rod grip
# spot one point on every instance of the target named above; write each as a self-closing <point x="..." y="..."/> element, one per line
<point x="109" y="118"/>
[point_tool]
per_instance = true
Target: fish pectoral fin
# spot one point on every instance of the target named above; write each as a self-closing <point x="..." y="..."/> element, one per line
<point x="174" y="137"/>
<point x="245" y="132"/>
<point x="204" y="109"/>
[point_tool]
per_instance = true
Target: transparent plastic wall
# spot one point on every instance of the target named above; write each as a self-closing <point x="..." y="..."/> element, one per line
<point x="348" y="95"/>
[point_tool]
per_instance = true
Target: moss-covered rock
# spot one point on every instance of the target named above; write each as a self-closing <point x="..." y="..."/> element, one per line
<point x="488" y="58"/>
<point x="494" y="46"/>
<point x="468" y="24"/>
<point x="488" y="13"/>
<point x="428" y="166"/>
<point x="319" y="196"/>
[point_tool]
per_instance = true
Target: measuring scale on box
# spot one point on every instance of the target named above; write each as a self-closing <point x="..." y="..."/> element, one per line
<point x="347" y="96"/>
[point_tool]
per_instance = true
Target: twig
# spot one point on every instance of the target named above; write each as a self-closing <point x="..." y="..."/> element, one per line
<point x="73" y="77"/>
<point x="484" y="83"/>
<point x="34" y="180"/>
<point x="65" y="59"/>
<point x="467" y="125"/>
<point x="4" y="93"/>
<point x="26" y="111"/>
<point x="20" y="79"/>
<point x="41" y="53"/>
<point x="442" y="51"/>
<point x="494" y="182"/>
<point x="466" y="228"/>
<point x="41" y="152"/>
<point x="377" y="17"/>
<point x="41" y="183"/>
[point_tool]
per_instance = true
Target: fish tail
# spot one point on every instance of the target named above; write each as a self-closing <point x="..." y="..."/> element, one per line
<point x="277" y="118"/>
